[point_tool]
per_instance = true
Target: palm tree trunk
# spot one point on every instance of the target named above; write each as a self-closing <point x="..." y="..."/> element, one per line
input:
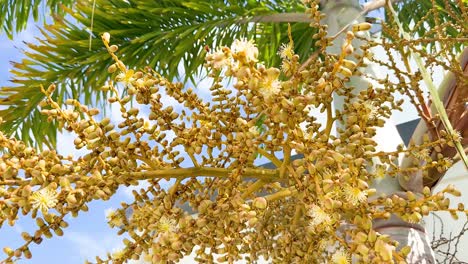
<point x="304" y="18"/>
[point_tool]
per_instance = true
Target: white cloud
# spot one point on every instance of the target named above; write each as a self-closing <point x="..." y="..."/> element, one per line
<point x="115" y="114"/>
<point x="167" y="100"/>
<point x="203" y="85"/>
<point x="127" y="191"/>
<point x="89" y="247"/>
<point x="66" y="146"/>
<point x="18" y="228"/>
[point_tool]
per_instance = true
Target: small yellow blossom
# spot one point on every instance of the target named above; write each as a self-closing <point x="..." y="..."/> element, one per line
<point x="355" y="195"/>
<point x="286" y="51"/>
<point x="456" y="135"/>
<point x="113" y="218"/>
<point x="140" y="83"/>
<point x="327" y="173"/>
<point x="340" y="257"/>
<point x="254" y="131"/>
<point x="286" y="67"/>
<point x="271" y="88"/>
<point x="318" y="216"/>
<point x="325" y="244"/>
<point x="44" y="199"/>
<point x="245" y="50"/>
<point x="445" y="163"/>
<point x="167" y="225"/>
<point x="380" y="171"/>
<point x="106" y="37"/>
<point x="384" y="249"/>
<point x="241" y="121"/>
<point x="421" y="154"/>
<point x="218" y="59"/>
<point x="371" y="110"/>
<point x="146" y="125"/>
<point x="118" y="254"/>
<point x="203" y="122"/>
<point x="271" y="85"/>
<point x="126" y="78"/>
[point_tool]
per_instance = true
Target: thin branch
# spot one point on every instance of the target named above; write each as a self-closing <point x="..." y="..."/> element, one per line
<point x="146" y="160"/>
<point x="252" y="188"/>
<point x="266" y="175"/>
<point x="15" y="182"/>
<point x="281" y="194"/>
<point x="330" y="120"/>
<point x="286" y="159"/>
<point x="443" y="246"/>
<point x="194" y="160"/>
<point x="270" y="157"/>
<point x="297" y="214"/>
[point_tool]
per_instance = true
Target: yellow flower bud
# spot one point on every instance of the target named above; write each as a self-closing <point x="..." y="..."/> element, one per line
<point x="349" y="64"/>
<point x="105" y="37"/>
<point x="361" y="27"/>
<point x="426" y="191"/>
<point x="360" y="237"/>
<point x="260" y="203"/>
<point x="8" y="251"/>
<point x="345" y="71"/>
<point x="362" y="249"/>
<point x="405" y="250"/>
<point x="347" y="48"/>
<point x="252" y="221"/>
<point x="112" y="68"/>
<point x="113" y="48"/>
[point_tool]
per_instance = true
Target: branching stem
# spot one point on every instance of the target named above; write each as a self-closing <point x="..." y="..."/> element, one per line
<point x="253" y="188"/>
<point x="281" y="194"/>
<point x="270" y="157"/>
<point x="266" y="175"/>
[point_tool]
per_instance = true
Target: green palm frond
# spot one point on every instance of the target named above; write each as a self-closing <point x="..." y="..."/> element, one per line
<point x="160" y="34"/>
<point x="14" y="14"/>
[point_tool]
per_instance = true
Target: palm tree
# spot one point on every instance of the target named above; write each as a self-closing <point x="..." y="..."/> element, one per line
<point x="146" y="32"/>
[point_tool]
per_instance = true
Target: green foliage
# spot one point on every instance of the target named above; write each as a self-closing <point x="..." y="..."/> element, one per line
<point x="14" y="14"/>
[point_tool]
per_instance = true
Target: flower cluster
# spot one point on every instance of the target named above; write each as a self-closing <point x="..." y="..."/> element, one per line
<point x="205" y="193"/>
<point x="240" y="61"/>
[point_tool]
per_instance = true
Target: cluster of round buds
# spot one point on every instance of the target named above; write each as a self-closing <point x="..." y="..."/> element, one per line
<point x="208" y="153"/>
